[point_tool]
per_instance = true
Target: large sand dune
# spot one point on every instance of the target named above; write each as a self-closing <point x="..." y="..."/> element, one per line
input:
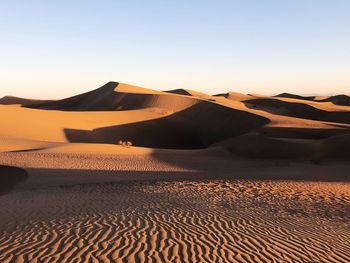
<point x="275" y="171"/>
<point x="174" y="119"/>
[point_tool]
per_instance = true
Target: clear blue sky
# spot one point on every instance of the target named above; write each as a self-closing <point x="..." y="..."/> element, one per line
<point x="53" y="49"/>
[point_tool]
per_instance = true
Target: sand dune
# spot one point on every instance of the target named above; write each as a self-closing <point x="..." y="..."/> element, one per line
<point x="342" y="99"/>
<point x="225" y="178"/>
<point x="295" y="96"/>
<point x="10" y="100"/>
<point x="178" y="119"/>
<point x="43" y="125"/>
<point x="163" y="120"/>
<point x="196" y="127"/>
<point x="119" y="96"/>
<point x="298" y="110"/>
<point x="235" y="96"/>
<point x="258" y="146"/>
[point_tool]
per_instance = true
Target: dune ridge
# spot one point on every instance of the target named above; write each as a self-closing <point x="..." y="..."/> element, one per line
<point x="341" y="99"/>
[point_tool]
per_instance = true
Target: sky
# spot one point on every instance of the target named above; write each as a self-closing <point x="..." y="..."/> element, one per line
<point x="55" y="49"/>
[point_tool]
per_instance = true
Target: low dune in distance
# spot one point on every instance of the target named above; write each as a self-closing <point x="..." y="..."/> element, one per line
<point x="127" y="174"/>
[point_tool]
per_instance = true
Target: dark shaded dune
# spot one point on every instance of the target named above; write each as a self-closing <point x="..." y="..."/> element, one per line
<point x="10" y="100"/>
<point x="179" y="92"/>
<point x="107" y="98"/>
<point x="260" y="147"/>
<point x="10" y="177"/>
<point x="301" y="133"/>
<point x="336" y="147"/>
<point x="198" y="126"/>
<point x="225" y="95"/>
<point x="294" y="96"/>
<point x="298" y="110"/>
<point x="257" y="146"/>
<point x="342" y="100"/>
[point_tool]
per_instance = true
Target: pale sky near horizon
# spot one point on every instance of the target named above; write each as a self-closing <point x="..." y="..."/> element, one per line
<point x="55" y="49"/>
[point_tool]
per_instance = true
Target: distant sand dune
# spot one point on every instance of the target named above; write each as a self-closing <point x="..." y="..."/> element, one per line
<point x="342" y="99"/>
<point x="294" y="96"/>
<point x="298" y="110"/>
<point x="10" y="100"/>
<point x="235" y="96"/>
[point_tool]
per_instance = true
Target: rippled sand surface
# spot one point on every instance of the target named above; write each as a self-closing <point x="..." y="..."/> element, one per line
<point x="183" y="221"/>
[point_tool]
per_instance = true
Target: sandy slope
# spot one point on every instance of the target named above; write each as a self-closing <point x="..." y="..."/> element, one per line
<point x="275" y="171"/>
<point x="24" y="123"/>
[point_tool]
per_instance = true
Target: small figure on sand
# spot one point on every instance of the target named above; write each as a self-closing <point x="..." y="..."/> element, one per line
<point x="126" y="144"/>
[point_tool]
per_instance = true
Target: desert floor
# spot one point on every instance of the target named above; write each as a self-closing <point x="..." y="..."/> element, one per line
<point x="61" y="213"/>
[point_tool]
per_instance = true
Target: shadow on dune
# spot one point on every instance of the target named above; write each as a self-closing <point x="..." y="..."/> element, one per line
<point x="180" y="92"/>
<point x="195" y="127"/>
<point x="10" y="100"/>
<point x="261" y="147"/>
<point x="302" y="133"/>
<point x="341" y="99"/>
<point x="10" y="177"/>
<point x="66" y="177"/>
<point x="298" y="110"/>
<point x="257" y="146"/>
<point x="102" y="99"/>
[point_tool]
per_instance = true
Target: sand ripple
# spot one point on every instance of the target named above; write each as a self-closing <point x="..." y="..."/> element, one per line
<point x="211" y="221"/>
